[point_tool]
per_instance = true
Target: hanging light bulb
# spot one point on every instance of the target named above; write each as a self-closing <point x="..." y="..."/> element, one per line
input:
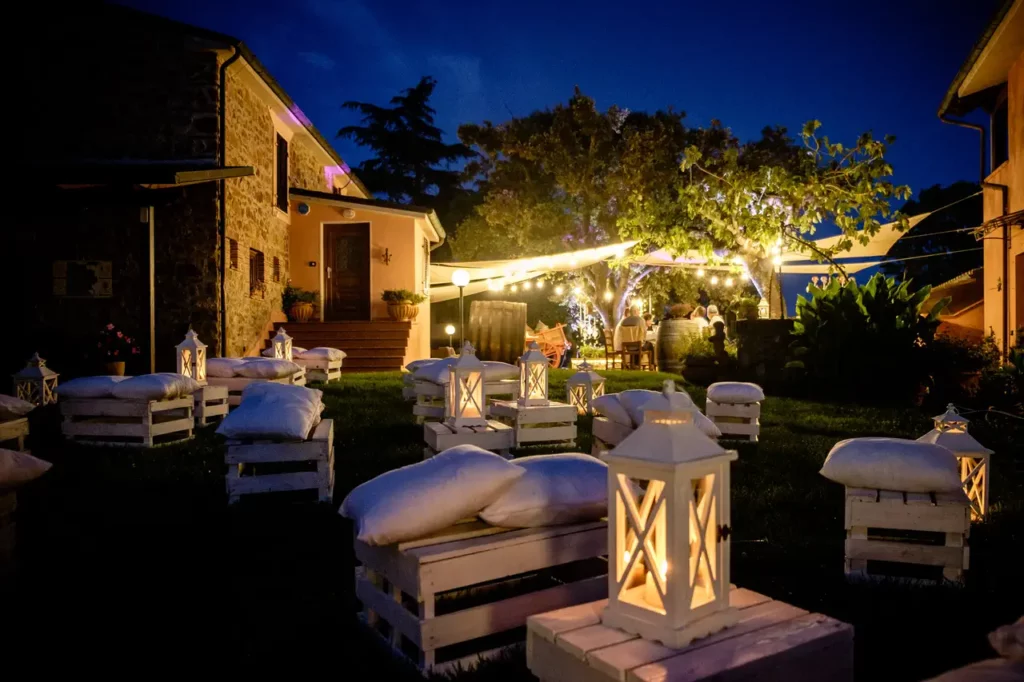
<point x="540" y="284"/>
<point x="578" y="291"/>
<point x="559" y="289"/>
<point x="714" y="279"/>
<point x="527" y="285"/>
<point x="638" y="303"/>
<point x="700" y="272"/>
<point x="514" y="288"/>
<point x="608" y="295"/>
<point x="728" y="281"/>
<point x="572" y="262"/>
<point x="777" y="261"/>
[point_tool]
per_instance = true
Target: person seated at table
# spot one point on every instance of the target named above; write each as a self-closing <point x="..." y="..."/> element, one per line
<point x="649" y="321"/>
<point x="714" y="316"/>
<point x="699" y="316"/>
<point x="633" y="319"/>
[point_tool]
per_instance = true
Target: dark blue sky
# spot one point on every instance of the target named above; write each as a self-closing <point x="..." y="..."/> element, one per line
<point x="855" y="65"/>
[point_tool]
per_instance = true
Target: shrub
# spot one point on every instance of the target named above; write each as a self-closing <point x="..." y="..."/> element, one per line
<point x="114" y="345"/>
<point x="401" y="296"/>
<point x="678" y="311"/>
<point x="292" y="295"/>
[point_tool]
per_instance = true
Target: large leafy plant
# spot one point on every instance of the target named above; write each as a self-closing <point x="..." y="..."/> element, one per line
<point x="864" y="341"/>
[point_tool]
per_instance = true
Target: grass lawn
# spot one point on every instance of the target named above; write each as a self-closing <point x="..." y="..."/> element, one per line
<point x="133" y="556"/>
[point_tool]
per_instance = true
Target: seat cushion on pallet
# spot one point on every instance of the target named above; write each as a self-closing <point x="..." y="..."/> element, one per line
<point x="636" y="399"/>
<point x="496" y="371"/>
<point x="735" y="392"/>
<point x="423" y="498"/>
<point x="266" y="368"/>
<point x="610" y="407"/>
<point x="417" y="364"/>
<point x="162" y="386"/>
<point x="18" y="468"/>
<point x="892" y="464"/>
<point x="321" y="353"/>
<point x="297" y="351"/>
<point x="89" y="387"/>
<point x="274" y="411"/>
<point x="223" y="368"/>
<point x="437" y="371"/>
<point x="13" y="408"/>
<point x="557" y="489"/>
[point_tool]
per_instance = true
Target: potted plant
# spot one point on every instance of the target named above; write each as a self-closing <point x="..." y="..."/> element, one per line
<point x="701" y="362"/>
<point x="402" y="304"/>
<point x="298" y="304"/>
<point x="114" y="347"/>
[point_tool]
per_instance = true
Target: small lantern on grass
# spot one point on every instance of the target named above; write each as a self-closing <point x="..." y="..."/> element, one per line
<point x="464" y="400"/>
<point x="582" y="387"/>
<point x="668" y="532"/>
<point x="282" y="344"/>
<point x="36" y="383"/>
<point x="192" y="357"/>
<point x="533" y="377"/>
<point x="951" y="432"/>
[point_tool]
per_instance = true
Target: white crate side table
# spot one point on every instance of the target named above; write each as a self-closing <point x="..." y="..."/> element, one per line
<point x="496" y="437"/>
<point x="552" y="423"/>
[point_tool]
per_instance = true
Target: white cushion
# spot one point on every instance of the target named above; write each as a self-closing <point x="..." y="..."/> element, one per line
<point x="320" y="353"/>
<point x="436" y="371"/>
<point x="635" y="399"/>
<point x="423" y="498"/>
<point x="609" y="406"/>
<point x="275" y="411"/>
<point x="17" y="468"/>
<point x="223" y="368"/>
<point x="564" y="488"/>
<point x="89" y="387"/>
<point x="704" y="423"/>
<point x="296" y="352"/>
<point x="163" y="386"/>
<point x="416" y="364"/>
<point x="496" y="371"/>
<point x="892" y="464"/>
<point x="266" y="368"/>
<point x="682" y="401"/>
<point x="735" y="392"/>
<point x="13" y="408"/>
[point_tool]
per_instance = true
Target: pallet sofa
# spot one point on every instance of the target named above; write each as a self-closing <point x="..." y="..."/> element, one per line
<point x="119" y="421"/>
<point x="14" y="430"/>
<point x="429" y="396"/>
<point x="246" y="457"/>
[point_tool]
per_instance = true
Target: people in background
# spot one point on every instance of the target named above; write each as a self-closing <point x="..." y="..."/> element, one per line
<point x="700" y="317"/>
<point x="633" y="319"/>
<point x="714" y="316"/>
<point x="649" y="321"/>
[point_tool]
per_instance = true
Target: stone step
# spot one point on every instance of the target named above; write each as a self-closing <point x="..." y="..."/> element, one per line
<point x="361" y="335"/>
<point x="366" y="325"/>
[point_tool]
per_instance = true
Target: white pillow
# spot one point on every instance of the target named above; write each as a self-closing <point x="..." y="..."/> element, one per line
<point x="278" y="411"/>
<point x="297" y="351"/>
<point x="557" y="489"/>
<point x="321" y="353"/>
<point x="682" y="401"/>
<point x="436" y="371"/>
<point x="735" y="392"/>
<point x="416" y="364"/>
<point x="223" y="368"/>
<point x="13" y="408"/>
<point x="704" y="423"/>
<point x="610" y="407"/>
<point x="17" y="468"/>
<point x="266" y="368"/>
<point x="635" y="399"/>
<point x="89" y="387"/>
<point x="496" y="371"/>
<point x="892" y="464"/>
<point x="163" y="386"/>
<point x="423" y="498"/>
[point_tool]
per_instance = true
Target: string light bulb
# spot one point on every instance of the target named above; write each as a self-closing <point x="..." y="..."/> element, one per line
<point x="527" y="285"/>
<point x="700" y="272"/>
<point x="608" y="295"/>
<point x="777" y="261"/>
<point x="728" y="281"/>
<point x="714" y="279"/>
<point x="559" y="290"/>
<point x="577" y="291"/>
<point x="514" y="288"/>
<point x="540" y="284"/>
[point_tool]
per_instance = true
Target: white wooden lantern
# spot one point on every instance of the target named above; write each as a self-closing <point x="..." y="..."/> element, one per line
<point x="668" y="531"/>
<point x="36" y="383"/>
<point x="533" y="377"/>
<point x="282" y="345"/>
<point x="582" y="387"/>
<point x="951" y="432"/>
<point x="763" y="309"/>
<point x="464" y="403"/>
<point x="192" y="357"/>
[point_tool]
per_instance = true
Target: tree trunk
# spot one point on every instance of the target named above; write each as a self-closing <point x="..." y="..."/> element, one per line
<point x="768" y="280"/>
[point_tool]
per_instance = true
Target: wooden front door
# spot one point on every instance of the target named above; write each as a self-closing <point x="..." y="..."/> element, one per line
<point x="347" y="271"/>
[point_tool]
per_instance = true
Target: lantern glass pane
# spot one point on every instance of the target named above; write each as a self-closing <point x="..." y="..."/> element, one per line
<point x="578" y="398"/>
<point x="470" y="396"/>
<point x="599" y="389"/>
<point x="703" y="540"/>
<point x="201" y="364"/>
<point x="450" y="403"/>
<point x="186" y="362"/>
<point x="538" y="383"/>
<point x="642" y="528"/>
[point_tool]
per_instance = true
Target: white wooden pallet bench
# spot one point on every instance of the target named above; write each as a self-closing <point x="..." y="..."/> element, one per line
<point x="320" y="369"/>
<point x="922" y="529"/>
<point x="443" y="601"/>
<point x="552" y="423"/>
<point x="299" y="378"/>
<point x="246" y="458"/>
<point x="607" y="434"/>
<point x="409" y="387"/>
<point x="211" y="403"/>
<point x="236" y="385"/>
<point x="771" y="641"/>
<point x="14" y="430"/>
<point x="430" y="397"/>
<point x="496" y="437"/>
<point x="736" y="421"/>
<point x="116" y="421"/>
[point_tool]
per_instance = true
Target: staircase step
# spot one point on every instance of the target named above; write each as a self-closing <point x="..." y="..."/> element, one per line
<point x="350" y="344"/>
<point x="371" y="325"/>
<point x="368" y="335"/>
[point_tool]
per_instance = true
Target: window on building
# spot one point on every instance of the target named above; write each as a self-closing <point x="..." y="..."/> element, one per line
<point x="281" y="175"/>
<point x="257" y="283"/>
<point x="233" y="254"/>
<point x="1000" y="132"/>
<point x="276" y="269"/>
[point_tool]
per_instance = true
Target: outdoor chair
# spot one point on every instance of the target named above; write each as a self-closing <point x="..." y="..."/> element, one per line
<point x="634" y="354"/>
<point x="610" y="354"/>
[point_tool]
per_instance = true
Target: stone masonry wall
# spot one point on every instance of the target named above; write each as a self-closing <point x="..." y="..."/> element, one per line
<point x="304" y="169"/>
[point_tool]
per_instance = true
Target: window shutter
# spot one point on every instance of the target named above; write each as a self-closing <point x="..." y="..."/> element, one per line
<point x="233" y="254"/>
<point x="282" y="173"/>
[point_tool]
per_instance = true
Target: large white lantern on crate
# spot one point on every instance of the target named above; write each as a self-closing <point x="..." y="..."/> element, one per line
<point x="36" y="383"/>
<point x="192" y="357"/>
<point x="668" y="531"/>
<point x="533" y="377"/>
<point x="951" y="432"/>
<point x="582" y="387"/>
<point x="282" y="345"/>
<point x="464" y="403"/>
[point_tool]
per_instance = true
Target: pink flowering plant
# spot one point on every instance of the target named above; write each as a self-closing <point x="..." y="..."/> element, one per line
<point x="114" y="345"/>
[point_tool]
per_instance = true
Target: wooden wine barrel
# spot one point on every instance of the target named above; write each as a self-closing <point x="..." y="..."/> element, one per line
<point x="497" y="329"/>
<point x="673" y="341"/>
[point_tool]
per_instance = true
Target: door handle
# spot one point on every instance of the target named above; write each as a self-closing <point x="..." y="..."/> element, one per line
<point x="328" y="272"/>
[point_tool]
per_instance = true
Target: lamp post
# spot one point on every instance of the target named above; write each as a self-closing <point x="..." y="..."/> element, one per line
<point x="449" y="329"/>
<point x="460" y="278"/>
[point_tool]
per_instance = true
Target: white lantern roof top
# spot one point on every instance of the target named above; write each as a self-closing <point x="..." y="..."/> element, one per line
<point x="281" y="335"/>
<point x="467" y="359"/>
<point x="668" y="437"/>
<point x="35" y="368"/>
<point x="957" y="441"/>
<point x="191" y="340"/>
<point x="950" y="419"/>
<point x="585" y="375"/>
<point x="533" y="354"/>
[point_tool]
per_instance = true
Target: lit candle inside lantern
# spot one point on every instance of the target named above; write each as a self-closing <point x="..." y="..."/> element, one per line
<point x="651" y="595"/>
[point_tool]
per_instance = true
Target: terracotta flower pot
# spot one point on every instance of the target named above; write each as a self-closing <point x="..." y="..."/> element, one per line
<point x="115" y="369"/>
<point x="300" y="312"/>
<point x="403" y="312"/>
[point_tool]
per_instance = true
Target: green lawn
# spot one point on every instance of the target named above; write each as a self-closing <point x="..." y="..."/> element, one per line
<point x="129" y="556"/>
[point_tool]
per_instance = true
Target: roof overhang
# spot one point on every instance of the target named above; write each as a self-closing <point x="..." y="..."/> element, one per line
<point x="342" y="201"/>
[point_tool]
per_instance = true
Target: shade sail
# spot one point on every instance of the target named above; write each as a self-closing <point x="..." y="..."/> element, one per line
<point x="877" y="246"/>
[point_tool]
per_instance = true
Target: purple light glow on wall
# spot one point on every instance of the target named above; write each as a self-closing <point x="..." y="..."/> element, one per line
<point x="330" y="172"/>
